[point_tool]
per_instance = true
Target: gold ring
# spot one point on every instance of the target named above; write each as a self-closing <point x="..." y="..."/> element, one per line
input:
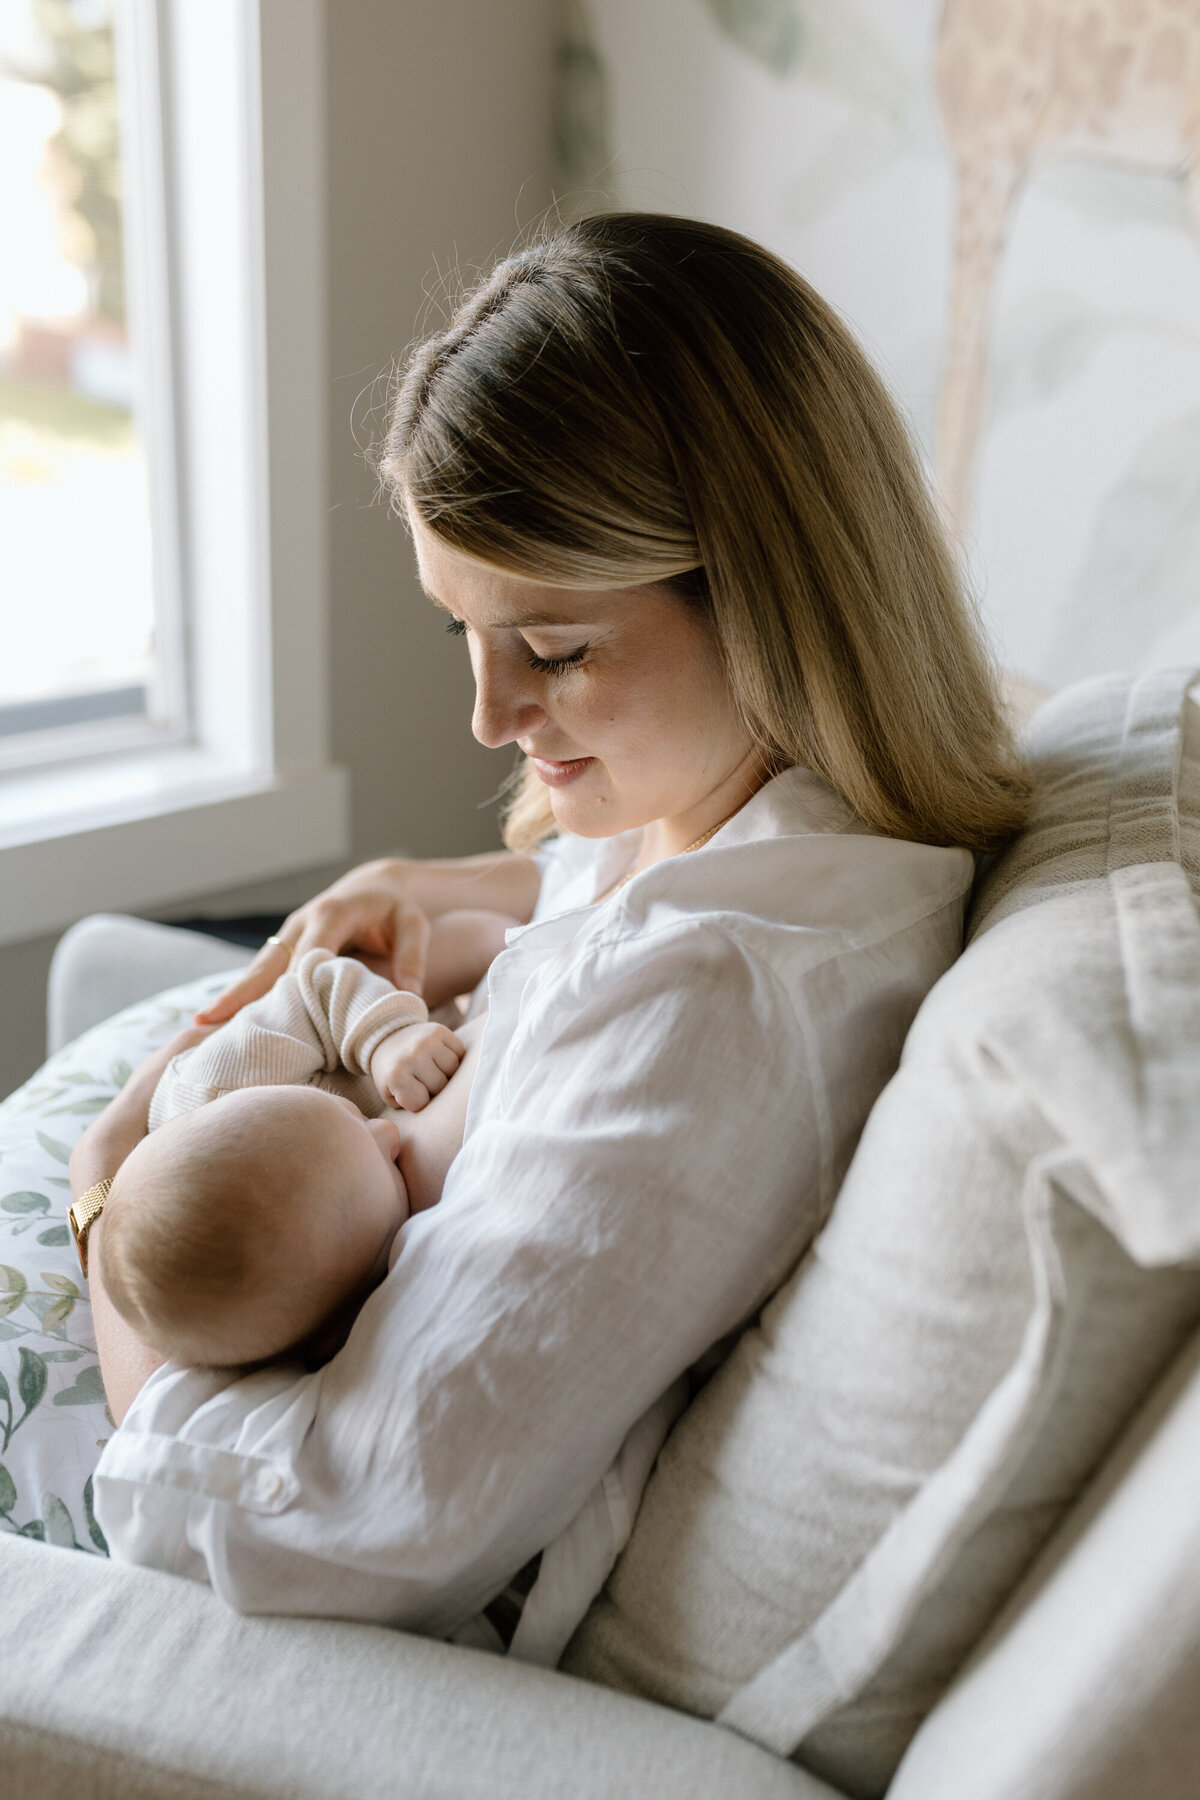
<point x="279" y="943"/>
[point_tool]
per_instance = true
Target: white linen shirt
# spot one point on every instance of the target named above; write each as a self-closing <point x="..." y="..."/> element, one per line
<point x="669" y="1087"/>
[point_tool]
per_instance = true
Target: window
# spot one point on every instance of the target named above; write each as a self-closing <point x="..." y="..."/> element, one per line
<point x="79" y="641"/>
<point x="218" y="772"/>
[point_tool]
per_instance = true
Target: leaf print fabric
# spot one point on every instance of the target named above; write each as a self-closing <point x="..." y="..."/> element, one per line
<point x="53" y="1416"/>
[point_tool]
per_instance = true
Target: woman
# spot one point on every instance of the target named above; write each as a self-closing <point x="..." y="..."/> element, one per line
<point x="655" y="484"/>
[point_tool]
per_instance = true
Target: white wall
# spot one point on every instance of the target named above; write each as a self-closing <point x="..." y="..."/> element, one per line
<point x="842" y="133"/>
<point x="438" y="152"/>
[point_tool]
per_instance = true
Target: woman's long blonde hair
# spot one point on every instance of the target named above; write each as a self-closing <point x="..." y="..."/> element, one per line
<point x="639" y="399"/>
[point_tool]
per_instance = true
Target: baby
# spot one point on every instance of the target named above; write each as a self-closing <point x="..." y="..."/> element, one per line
<point x="254" y="1220"/>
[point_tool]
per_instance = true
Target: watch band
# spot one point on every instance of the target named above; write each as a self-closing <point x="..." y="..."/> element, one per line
<point x="83" y="1215"/>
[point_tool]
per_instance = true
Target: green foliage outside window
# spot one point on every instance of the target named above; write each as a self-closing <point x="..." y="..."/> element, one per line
<point x="85" y="162"/>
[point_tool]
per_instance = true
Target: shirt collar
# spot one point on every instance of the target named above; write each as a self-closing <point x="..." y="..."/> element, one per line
<point x="795" y="803"/>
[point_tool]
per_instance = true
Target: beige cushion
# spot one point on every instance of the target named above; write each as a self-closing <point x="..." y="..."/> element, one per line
<point x="1118" y="782"/>
<point x="841" y="1511"/>
<point x="1086" y="1687"/>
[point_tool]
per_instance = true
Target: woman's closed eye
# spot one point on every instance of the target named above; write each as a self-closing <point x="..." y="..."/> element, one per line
<point x="555" y="665"/>
<point x="541" y="665"/>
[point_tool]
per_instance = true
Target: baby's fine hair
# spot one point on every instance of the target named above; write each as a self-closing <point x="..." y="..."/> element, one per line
<point x="191" y="1245"/>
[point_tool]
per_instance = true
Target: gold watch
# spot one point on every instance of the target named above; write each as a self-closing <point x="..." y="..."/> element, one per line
<point x="83" y="1216"/>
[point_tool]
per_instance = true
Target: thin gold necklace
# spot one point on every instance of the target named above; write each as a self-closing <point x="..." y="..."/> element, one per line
<point x="686" y="851"/>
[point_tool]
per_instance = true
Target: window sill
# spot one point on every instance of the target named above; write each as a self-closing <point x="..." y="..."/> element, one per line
<point x="144" y="831"/>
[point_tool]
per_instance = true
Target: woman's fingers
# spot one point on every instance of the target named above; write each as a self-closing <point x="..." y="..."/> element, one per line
<point x="272" y="960"/>
<point x="183" y="1040"/>
<point x="261" y="975"/>
<point x="364" y="914"/>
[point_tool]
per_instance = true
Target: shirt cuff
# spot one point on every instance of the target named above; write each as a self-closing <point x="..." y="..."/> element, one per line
<point x="151" y="1459"/>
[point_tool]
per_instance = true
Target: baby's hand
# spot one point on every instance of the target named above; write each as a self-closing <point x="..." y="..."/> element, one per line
<point x="414" y="1064"/>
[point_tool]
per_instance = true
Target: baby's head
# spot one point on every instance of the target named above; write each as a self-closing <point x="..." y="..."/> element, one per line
<point x="242" y="1229"/>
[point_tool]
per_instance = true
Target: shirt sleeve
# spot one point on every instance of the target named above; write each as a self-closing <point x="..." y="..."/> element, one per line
<point x="326" y="1013"/>
<point x="646" y="1171"/>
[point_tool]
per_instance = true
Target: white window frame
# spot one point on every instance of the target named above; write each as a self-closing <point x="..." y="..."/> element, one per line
<point x="227" y="265"/>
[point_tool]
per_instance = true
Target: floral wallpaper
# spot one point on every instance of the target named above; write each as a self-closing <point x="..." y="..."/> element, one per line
<point x="1002" y="197"/>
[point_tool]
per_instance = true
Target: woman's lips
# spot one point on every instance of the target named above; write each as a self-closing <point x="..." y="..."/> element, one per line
<point x="561" y="773"/>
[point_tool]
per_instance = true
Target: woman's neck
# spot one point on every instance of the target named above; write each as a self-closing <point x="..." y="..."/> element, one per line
<point x="672" y="837"/>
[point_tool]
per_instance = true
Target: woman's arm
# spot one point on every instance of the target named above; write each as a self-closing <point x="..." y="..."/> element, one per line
<point x="381" y="913"/>
<point x="462" y="948"/>
<point x="432" y="1138"/>
<point x="125" y="1362"/>
<point x="500" y="881"/>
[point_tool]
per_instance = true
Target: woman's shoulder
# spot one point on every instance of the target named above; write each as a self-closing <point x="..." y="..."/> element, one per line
<point x="797" y="862"/>
<point x="793" y="882"/>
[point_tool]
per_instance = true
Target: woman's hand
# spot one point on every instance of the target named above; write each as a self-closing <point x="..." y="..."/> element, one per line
<point x="122" y="1125"/>
<point x="369" y="913"/>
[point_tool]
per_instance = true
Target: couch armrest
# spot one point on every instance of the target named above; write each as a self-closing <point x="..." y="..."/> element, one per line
<point x="125" y="1684"/>
<point x="107" y="962"/>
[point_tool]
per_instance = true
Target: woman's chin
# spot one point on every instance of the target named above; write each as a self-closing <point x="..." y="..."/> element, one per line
<point x="585" y="806"/>
<point x="574" y="814"/>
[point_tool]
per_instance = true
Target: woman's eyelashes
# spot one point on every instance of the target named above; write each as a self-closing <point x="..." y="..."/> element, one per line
<point x="556" y="665"/>
<point x="541" y="665"/>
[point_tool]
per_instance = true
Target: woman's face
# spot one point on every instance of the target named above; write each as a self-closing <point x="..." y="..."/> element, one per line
<point x="617" y="696"/>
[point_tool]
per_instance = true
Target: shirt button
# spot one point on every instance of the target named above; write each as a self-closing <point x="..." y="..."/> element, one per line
<point x="268" y="1485"/>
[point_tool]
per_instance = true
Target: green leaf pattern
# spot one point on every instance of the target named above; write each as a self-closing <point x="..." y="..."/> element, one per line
<point x="53" y="1416"/>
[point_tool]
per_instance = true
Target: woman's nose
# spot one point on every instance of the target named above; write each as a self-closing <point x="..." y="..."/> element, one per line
<point x="504" y="707"/>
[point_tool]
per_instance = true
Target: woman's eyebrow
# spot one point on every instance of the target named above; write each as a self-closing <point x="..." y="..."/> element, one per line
<point x="525" y="622"/>
<point x="539" y="622"/>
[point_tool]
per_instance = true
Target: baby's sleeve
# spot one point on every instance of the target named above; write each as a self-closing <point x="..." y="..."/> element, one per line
<point x="325" y="1013"/>
<point x="273" y="1042"/>
<point x="243" y="1053"/>
<point x="354" y="1006"/>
